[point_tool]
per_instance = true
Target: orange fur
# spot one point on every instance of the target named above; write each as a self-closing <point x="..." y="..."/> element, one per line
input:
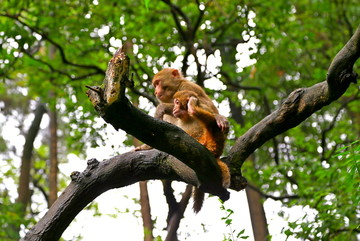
<point x="169" y="81"/>
<point x="201" y="125"/>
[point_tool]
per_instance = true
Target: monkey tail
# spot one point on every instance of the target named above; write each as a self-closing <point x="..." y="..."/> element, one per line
<point x="198" y="197"/>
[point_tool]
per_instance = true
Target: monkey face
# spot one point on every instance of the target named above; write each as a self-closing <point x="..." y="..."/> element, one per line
<point x="166" y="83"/>
<point x="164" y="88"/>
<point x="180" y="109"/>
<point x="163" y="92"/>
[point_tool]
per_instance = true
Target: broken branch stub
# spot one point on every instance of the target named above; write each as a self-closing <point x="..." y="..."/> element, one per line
<point x="115" y="82"/>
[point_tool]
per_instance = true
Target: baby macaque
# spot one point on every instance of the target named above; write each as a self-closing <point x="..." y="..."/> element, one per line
<point x="202" y="126"/>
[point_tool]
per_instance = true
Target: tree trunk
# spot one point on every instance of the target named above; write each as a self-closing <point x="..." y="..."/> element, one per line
<point x="24" y="180"/>
<point x="257" y="215"/>
<point x="146" y="212"/>
<point x="176" y="209"/>
<point x="256" y="209"/>
<point x="53" y="173"/>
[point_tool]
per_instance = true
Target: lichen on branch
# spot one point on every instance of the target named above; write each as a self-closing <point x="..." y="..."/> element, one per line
<point x="115" y="81"/>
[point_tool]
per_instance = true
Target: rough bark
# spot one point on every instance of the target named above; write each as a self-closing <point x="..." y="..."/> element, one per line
<point x="133" y="167"/>
<point x="98" y="177"/>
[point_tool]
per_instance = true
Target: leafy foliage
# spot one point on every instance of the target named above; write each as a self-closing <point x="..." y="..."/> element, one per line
<point x="60" y="46"/>
<point x="234" y="234"/>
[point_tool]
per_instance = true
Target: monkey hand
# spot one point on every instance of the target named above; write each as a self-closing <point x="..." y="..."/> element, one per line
<point x="223" y="123"/>
<point x="162" y="109"/>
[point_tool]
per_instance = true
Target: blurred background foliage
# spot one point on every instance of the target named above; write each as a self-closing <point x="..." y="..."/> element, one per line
<point x="249" y="55"/>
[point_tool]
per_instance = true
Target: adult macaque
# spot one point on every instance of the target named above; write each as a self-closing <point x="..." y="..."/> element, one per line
<point x="168" y="81"/>
<point x="202" y="126"/>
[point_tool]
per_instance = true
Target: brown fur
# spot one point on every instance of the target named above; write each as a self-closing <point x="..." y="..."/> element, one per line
<point x="203" y="121"/>
<point x="169" y="81"/>
<point x="201" y="125"/>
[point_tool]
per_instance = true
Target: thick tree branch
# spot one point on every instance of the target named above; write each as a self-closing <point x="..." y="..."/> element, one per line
<point x="300" y="104"/>
<point x="116" y="172"/>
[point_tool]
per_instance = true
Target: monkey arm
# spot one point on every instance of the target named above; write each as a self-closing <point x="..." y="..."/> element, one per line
<point x="205" y="116"/>
<point x="162" y="109"/>
<point x="202" y="114"/>
<point x="206" y="104"/>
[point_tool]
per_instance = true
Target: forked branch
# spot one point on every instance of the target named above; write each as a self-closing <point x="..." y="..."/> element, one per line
<point x="132" y="167"/>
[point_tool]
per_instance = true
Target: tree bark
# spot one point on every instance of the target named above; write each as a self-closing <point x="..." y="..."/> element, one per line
<point x="24" y="180"/>
<point x="53" y="158"/>
<point x="257" y="215"/>
<point x="98" y="177"/>
<point x="53" y="172"/>
<point x="146" y="212"/>
<point x="176" y="210"/>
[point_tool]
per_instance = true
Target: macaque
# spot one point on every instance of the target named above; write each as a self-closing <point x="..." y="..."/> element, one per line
<point x="186" y="105"/>
<point x="202" y="126"/>
<point x="168" y="81"/>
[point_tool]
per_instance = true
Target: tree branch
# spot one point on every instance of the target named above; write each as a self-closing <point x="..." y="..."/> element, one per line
<point x="174" y="9"/>
<point x="264" y="195"/>
<point x="98" y="177"/>
<point x="300" y="104"/>
<point x="177" y="214"/>
<point x="45" y="36"/>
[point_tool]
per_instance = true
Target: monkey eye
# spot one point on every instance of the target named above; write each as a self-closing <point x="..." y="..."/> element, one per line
<point x="177" y="101"/>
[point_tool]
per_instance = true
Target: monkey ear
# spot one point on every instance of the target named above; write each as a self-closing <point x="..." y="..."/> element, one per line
<point x="175" y="73"/>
